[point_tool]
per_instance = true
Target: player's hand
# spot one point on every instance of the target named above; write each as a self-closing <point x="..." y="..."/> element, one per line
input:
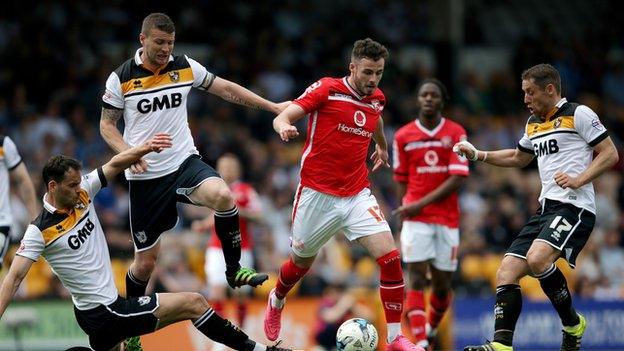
<point x="287" y="132"/>
<point x="380" y="158"/>
<point x="565" y="181"/>
<point x="409" y="210"/>
<point x="138" y="167"/>
<point x="159" y="142"/>
<point x="279" y="107"/>
<point x="466" y="149"/>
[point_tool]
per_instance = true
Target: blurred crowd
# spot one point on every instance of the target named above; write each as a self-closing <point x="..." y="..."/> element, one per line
<point x="56" y="57"/>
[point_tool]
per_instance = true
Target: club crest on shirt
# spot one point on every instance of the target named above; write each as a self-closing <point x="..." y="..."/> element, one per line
<point x="174" y="76"/>
<point x="447" y="142"/>
<point x="359" y="118"/>
<point x="376" y="105"/>
<point x="557" y="123"/>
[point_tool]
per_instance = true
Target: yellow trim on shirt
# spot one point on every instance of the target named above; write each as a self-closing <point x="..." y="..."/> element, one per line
<point x="177" y="76"/>
<point x="561" y="122"/>
<point x="54" y="231"/>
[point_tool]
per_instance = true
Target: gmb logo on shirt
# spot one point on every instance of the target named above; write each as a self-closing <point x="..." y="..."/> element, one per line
<point x="159" y="103"/>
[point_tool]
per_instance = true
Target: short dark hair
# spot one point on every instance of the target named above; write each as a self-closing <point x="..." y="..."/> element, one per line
<point x="370" y="49"/>
<point x="543" y="74"/>
<point x="56" y="167"/>
<point x="159" y="21"/>
<point x="441" y="86"/>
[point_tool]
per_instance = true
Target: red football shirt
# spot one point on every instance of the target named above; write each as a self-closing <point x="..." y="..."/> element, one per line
<point x="245" y="198"/>
<point x="424" y="159"/>
<point x="340" y="127"/>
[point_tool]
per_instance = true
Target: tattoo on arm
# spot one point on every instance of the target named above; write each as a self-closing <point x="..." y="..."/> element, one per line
<point x="111" y="114"/>
<point x="237" y="100"/>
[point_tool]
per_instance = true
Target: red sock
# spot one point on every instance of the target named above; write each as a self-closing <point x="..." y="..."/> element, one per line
<point x="241" y="313"/>
<point x="437" y="307"/>
<point x="415" y="307"/>
<point x="391" y="287"/>
<point x="289" y="275"/>
<point x="218" y="307"/>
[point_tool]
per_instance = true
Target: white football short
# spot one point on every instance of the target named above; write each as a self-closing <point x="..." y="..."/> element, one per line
<point x="425" y="241"/>
<point x="214" y="265"/>
<point x="318" y="216"/>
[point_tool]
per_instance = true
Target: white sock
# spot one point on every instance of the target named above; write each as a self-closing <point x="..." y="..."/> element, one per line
<point x="394" y="329"/>
<point x="259" y="347"/>
<point x="277" y="303"/>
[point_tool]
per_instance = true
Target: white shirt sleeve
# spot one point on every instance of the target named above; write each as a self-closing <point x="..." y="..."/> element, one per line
<point x="93" y="182"/>
<point x="587" y="124"/>
<point x="525" y="144"/>
<point x="32" y="244"/>
<point x="200" y="74"/>
<point x="12" y="157"/>
<point x="113" y="95"/>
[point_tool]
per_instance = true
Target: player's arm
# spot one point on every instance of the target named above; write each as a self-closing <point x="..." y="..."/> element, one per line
<point x="380" y="156"/>
<point x="109" y="130"/>
<point x="502" y="158"/>
<point x="448" y="187"/>
<point x="19" y="268"/>
<point x="124" y="159"/>
<point x="26" y="189"/>
<point x="237" y="94"/>
<point x="283" y="123"/>
<point x="607" y="157"/>
<point x="401" y="189"/>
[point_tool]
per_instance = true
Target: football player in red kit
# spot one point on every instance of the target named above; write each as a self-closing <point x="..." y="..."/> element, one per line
<point x="333" y="196"/>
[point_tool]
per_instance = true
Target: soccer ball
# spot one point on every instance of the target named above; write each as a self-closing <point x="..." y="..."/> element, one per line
<point x="357" y="334"/>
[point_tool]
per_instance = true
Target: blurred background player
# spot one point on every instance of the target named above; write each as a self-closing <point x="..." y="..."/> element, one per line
<point x="150" y="92"/>
<point x="333" y="196"/>
<point x="336" y="306"/>
<point x="428" y="175"/>
<point x="563" y="136"/>
<point x="13" y="169"/>
<point x="69" y="235"/>
<point x="249" y="211"/>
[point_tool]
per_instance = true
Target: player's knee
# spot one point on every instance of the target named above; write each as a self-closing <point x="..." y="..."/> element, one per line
<point x="538" y="263"/>
<point x="197" y="303"/>
<point x="223" y="199"/>
<point x="505" y="276"/>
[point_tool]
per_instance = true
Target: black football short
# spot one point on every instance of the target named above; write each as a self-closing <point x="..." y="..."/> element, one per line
<point x="153" y="201"/>
<point x="108" y="325"/>
<point x="563" y="226"/>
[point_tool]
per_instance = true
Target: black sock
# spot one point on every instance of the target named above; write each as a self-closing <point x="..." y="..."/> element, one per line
<point x="506" y="312"/>
<point x="554" y="285"/>
<point x="228" y="230"/>
<point x="134" y="286"/>
<point x="223" y="331"/>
